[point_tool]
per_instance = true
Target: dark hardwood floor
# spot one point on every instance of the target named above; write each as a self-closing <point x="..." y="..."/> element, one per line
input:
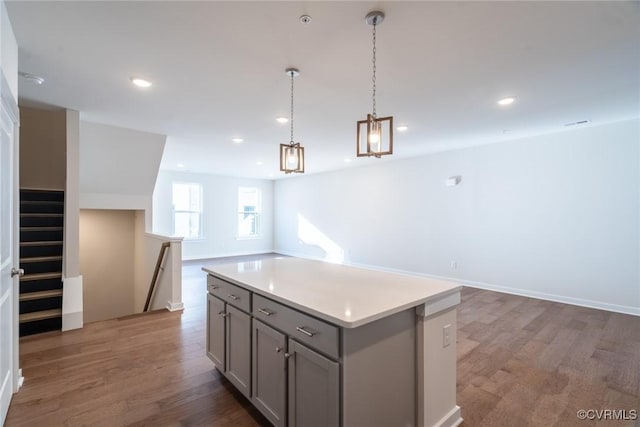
<point x="521" y="362"/>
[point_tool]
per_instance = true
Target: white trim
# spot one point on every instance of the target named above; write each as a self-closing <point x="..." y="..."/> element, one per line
<point x="20" y="380"/>
<point x="174" y="306"/>
<point x="452" y="419"/>
<point x="634" y="311"/>
<point x="163" y="237"/>
<point x="439" y="304"/>
<point x="230" y="254"/>
<point x="72" y="308"/>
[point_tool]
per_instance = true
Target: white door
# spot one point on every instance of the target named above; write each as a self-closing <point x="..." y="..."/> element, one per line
<point x="8" y="256"/>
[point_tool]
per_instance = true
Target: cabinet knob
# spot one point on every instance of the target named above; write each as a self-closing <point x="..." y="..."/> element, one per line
<point x="287" y="355"/>
<point x="222" y="313"/>
<point x="233" y="297"/>
<point x="278" y="349"/>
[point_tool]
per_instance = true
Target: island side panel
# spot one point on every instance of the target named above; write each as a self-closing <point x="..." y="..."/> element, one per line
<point x="379" y="375"/>
<point x="436" y="374"/>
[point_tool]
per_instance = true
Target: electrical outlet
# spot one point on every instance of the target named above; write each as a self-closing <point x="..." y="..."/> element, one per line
<point x="446" y="335"/>
<point x="454" y="265"/>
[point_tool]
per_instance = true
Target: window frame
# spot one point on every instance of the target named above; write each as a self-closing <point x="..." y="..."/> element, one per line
<point x="257" y="214"/>
<point x="200" y="213"/>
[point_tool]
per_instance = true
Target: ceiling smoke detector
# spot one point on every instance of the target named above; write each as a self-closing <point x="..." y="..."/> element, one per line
<point x="305" y="19"/>
<point x="32" y="78"/>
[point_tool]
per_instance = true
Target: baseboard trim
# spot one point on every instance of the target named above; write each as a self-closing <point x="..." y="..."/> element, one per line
<point x="174" y="306"/>
<point x="225" y="255"/>
<point x="72" y="305"/>
<point x="452" y="419"/>
<point x="634" y="311"/>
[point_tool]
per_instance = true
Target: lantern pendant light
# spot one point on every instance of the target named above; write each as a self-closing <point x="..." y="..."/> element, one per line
<point x="292" y="154"/>
<point x="375" y="134"/>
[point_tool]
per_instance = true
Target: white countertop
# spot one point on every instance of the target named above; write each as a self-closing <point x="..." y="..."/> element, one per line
<point x="342" y="295"/>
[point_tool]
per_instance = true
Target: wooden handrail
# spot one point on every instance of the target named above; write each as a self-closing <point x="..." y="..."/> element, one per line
<point x="156" y="273"/>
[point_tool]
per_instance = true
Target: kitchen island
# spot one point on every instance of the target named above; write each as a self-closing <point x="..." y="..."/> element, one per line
<point x="319" y="344"/>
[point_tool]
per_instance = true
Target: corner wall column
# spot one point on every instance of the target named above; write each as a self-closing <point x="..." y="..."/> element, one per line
<point x="436" y="363"/>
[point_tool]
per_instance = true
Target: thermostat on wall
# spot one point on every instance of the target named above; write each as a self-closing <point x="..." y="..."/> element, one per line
<point x="452" y="181"/>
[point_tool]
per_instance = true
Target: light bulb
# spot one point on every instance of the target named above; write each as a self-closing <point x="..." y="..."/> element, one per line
<point x="374" y="138"/>
<point x="292" y="157"/>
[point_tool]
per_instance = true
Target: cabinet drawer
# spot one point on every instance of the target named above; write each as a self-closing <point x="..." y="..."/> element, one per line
<point x="234" y="295"/>
<point x="299" y="326"/>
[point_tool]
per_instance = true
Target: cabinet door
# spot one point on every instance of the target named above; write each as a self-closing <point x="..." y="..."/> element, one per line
<point x="314" y="388"/>
<point x="269" y="372"/>
<point x="239" y="349"/>
<point x="216" y="331"/>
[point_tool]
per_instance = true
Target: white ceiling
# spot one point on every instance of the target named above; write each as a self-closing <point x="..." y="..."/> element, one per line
<point x="218" y="72"/>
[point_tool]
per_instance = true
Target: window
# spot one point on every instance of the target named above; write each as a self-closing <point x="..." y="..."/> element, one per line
<point x="187" y="210"/>
<point x="249" y="209"/>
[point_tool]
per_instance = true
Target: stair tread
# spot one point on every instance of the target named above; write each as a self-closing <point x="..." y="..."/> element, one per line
<point x="40" y="276"/>
<point x="40" y="315"/>
<point x="42" y="215"/>
<point x="35" y="228"/>
<point x="42" y="243"/>
<point x="41" y="259"/>
<point x="42" y="202"/>
<point x="28" y="296"/>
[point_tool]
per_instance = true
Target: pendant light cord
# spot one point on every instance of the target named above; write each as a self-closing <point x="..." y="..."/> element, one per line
<point x="291" y="119"/>
<point x="373" y="79"/>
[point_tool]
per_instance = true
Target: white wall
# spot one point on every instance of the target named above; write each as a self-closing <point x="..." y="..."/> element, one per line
<point x="8" y="51"/>
<point x="220" y="194"/>
<point x="118" y="167"/>
<point x="553" y="216"/>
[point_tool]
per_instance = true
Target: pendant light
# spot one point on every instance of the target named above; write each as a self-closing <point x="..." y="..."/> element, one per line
<point x="292" y="154"/>
<point x="375" y="134"/>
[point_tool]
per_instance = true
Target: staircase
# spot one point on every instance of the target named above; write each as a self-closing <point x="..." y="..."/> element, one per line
<point x="41" y="235"/>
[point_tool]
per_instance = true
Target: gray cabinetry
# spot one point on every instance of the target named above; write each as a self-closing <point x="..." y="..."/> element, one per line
<point x="216" y="331"/>
<point x="238" y="343"/>
<point x="229" y="332"/>
<point x="269" y="372"/>
<point x="314" y="388"/>
<point x="301" y="371"/>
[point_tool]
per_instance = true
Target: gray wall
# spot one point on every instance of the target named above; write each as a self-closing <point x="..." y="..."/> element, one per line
<point x="43" y="148"/>
<point x="553" y="216"/>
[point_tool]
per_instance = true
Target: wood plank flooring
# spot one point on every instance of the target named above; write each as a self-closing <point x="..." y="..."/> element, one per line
<point x="521" y="362"/>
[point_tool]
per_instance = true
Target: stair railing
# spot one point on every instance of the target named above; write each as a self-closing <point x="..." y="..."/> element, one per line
<point x="156" y="274"/>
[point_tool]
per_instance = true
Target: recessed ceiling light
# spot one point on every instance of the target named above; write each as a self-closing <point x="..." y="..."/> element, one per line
<point x="259" y="163"/>
<point x="36" y="80"/>
<point x="282" y="119"/>
<point x="180" y="165"/>
<point x="506" y="101"/>
<point x="141" y="82"/>
<point x="237" y="140"/>
<point x="402" y="128"/>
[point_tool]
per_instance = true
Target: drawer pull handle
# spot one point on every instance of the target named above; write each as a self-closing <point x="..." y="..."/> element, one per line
<point x="222" y="313"/>
<point x="233" y="297"/>
<point x="214" y="287"/>
<point x="304" y="331"/>
<point x="265" y="312"/>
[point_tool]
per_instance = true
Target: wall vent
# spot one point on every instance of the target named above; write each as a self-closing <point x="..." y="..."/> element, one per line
<point x="581" y="122"/>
